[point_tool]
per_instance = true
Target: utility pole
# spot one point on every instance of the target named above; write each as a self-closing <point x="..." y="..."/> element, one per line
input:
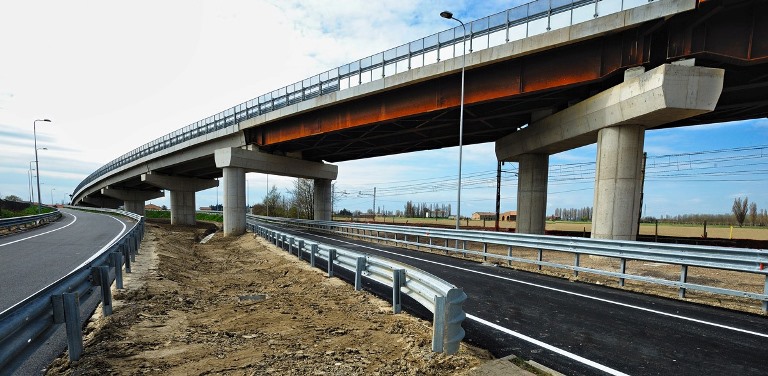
<point x="498" y="193"/>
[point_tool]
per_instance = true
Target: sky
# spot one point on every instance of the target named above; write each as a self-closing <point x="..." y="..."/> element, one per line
<point x="112" y="76"/>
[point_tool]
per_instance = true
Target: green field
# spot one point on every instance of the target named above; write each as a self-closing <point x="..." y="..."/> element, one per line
<point x="664" y="229"/>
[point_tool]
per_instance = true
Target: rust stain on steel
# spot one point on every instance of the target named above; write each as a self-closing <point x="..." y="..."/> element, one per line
<point x="583" y="62"/>
<point x="737" y="34"/>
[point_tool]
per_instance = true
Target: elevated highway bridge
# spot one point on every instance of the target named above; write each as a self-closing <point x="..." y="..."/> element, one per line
<point x="540" y="78"/>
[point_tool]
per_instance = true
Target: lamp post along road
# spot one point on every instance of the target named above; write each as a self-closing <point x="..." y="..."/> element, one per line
<point x="31" y="189"/>
<point x="37" y="163"/>
<point x="448" y="15"/>
<point x="52" y="189"/>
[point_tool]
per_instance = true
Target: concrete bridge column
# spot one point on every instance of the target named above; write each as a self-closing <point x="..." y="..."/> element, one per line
<point x="323" y="200"/>
<point x="183" y="207"/>
<point x="532" y="193"/>
<point x="135" y="206"/>
<point x="618" y="182"/>
<point x="133" y="200"/>
<point x="182" y="194"/>
<point x="617" y="118"/>
<point x="237" y="161"/>
<point x="234" y="201"/>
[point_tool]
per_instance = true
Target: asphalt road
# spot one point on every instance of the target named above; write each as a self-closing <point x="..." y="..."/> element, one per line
<point x="584" y="329"/>
<point x="32" y="260"/>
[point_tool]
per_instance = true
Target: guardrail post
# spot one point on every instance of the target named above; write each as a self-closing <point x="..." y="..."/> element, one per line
<point x="683" y="279"/>
<point x="464" y="248"/>
<point x="300" y="250"/>
<point x="576" y="264"/>
<point x="454" y="316"/>
<point x="331" y="257"/>
<point x="539" y="258"/>
<point x="72" y="323"/>
<point x="126" y="252"/>
<point x="359" y="273"/>
<point x="485" y="251"/>
<point x="398" y="280"/>
<point x="102" y="279"/>
<point x="765" y="292"/>
<point x="509" y="254"/>
<point x="312" y="253"/>
<point x="290" y="245"/>
<point x="622" y="270"/>
<point x="116" y="259"/>
<point x="438" y="324"/>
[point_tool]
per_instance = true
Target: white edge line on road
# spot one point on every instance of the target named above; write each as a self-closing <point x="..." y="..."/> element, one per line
<point x="549" y="347"/>
<point x="569" y="292"/>
<point x="81" y="265"/>
<point x="43" y="233"/>
<point x="111" y="242"/>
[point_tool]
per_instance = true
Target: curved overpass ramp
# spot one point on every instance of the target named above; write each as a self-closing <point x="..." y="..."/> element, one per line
<point x="532" y="89"/>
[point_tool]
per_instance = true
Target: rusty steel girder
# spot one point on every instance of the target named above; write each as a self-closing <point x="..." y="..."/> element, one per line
<point x="570" y="65"/>
<point x="729" y="31"/>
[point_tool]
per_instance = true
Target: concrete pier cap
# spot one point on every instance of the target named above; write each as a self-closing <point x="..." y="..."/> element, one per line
<point x="182" y="190"/>
<point x="665" y="94"/>
<point x="133" y="200"/>
<point x="236" y="162"/>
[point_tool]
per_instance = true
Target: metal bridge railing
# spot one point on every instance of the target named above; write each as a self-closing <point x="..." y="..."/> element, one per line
<point x="745" y="260"/>
<point x="35" y="322"/>
<point x="441" y="298"/>
<point x="536" y="17"/>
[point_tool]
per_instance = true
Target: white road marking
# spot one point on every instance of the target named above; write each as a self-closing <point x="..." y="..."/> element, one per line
<point x="99" y="252"/>
<point x="568" y="292"/>
<point x="43" y="233"/>
<point x="549" y="347"/>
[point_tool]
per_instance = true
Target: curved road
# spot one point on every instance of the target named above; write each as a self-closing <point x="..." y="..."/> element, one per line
<point x="32" y="260"/>
<point x="584" y="329"/>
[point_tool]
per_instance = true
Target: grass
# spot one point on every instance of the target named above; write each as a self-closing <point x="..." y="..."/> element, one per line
<point x="32" y="210"/>
<point x="199" y="216"/>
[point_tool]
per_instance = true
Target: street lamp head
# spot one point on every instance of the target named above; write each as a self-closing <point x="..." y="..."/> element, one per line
<point x="446" y="14"/>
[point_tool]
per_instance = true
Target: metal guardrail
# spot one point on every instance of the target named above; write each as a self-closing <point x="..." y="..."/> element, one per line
<point x="441" y="298"/>
<point x="745" y="260"/>
<point x="31" y="324"/>
<point x="29" y="220"/>
<point x="536" y="17"/>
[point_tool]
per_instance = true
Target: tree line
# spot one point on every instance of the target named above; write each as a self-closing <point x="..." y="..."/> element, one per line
<point x="298" y="202"/>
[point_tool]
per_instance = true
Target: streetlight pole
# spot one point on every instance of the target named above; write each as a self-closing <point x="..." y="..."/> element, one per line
<point x="448" y="15"/>
<point x="31" y="189"/>
<point x="52" y="189"/>
<point x="37" y="163"/>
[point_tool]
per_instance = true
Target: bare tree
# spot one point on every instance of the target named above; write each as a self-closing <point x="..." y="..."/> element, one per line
<point x="740" y="209"/>
<point x="753" y="213"/>
<point x="302" y="198"/>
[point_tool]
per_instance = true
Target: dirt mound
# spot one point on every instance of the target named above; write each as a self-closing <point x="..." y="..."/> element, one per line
<point x="239" y="306"/>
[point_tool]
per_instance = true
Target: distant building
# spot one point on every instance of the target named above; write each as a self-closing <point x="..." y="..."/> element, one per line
<point x="152" y="207"/>
<point x="509" y="216"/>
<point x="483" y="216"/>
<point x="491" y="216"/>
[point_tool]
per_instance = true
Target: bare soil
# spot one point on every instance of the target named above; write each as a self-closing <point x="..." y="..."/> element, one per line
<point x="239" y="306"/>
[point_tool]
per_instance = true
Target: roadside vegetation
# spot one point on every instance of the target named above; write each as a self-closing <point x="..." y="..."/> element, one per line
<point x="212" y="217"/>
<point x="12" y="206"/>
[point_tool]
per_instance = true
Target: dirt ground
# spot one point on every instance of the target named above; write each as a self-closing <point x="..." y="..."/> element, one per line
<point x="239" y="306"/>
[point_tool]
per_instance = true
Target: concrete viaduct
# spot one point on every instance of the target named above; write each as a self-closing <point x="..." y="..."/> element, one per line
<point x="606" y="79"/>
